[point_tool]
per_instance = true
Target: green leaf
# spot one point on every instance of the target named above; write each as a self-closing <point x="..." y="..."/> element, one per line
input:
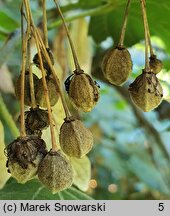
<point x="148" y="174"/>
<point x="33" y="190"/>
<point x="7" y="23"/>
<point x="99" y="24"/>
<point x="82" y="172"/>
<point x="158" y="18"/>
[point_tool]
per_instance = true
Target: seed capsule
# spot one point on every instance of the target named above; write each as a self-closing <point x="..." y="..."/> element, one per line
<point x="45" y="64"/>
<point x="24" y="155"/>
<point x="53" y="93"/>
<point x="117" y="65"/>
<point x="146" y="91"/>
<point x="36" y="120"/>
<point x="75" y="139"/>
<point x="55" y="172"/>
<point x="27" y="98"/>
<point x="83" y="91"/>
<point x="155" y="64"/>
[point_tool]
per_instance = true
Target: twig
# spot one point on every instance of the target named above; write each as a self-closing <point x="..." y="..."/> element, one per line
<point x="4" y="113"/>
<point x="123" y="30"/>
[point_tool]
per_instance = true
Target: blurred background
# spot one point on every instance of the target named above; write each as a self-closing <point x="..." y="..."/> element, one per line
<point x="130" y="158"/>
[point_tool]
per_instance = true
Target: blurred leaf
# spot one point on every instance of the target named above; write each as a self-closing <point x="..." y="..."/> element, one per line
<point x="4" y="175"/>
<point x="82" y="172"/>
<point x="33" y="190"/>
<point x="158" y="21"/>
<point x="7" y="23"/>
<point x="6" y="83"/>
<point x="148" y="174"/>
<point x="9" y="47"/>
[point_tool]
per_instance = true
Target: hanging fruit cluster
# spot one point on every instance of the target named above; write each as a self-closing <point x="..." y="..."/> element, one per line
<point x="27" y="156"/>
<point x="146" y="91"/>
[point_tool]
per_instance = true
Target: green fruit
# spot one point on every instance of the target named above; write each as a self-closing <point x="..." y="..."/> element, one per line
<point x="23" y="157"/>
<point x="117" y="65"/>
<point x="83" y="92"/>
<point x="53" y="93"/>
<point x="55" y="172"/>
<point x="45" y="64"/>
<point x="156" y="65"/>
<point x="146" y="91"/>
<point x="75" y="139"/>
<point x="27" y="95"/>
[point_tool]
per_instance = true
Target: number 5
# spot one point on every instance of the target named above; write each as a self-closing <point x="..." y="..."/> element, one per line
<point x="161" y="207"/>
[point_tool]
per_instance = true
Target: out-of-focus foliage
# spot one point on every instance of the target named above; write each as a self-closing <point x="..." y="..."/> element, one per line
<point x="127" y="159"/>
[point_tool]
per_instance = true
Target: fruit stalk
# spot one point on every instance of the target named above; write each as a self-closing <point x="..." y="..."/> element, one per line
<point x="54" y="146"/>
<point x="123" y="30"/>
<point x="149" y="36"/>
<point x="31" y="80"/>
<point x="147" y="67"/>
<point x="76" y="62"/>
<point x="45" y="23"/>
<point x="24" y="58"/>
<point x="67" y="112"/>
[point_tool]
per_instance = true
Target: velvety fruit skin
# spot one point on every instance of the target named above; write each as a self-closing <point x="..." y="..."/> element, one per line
<point x="24" y="155"/>
<point x="75" y="139"/>
<point x="21" y="174"/>
<point x="27" y="99"/>
<point x="117" y="65"/>
<point x="146" y="91"/>
<point x="53" y="93"/>
<point x="45" y="64"/>
<point x="55" y="172"/>
<point x="36" y="119"/>
<point x="83" y="92"/>
<point x="156" y="65"/>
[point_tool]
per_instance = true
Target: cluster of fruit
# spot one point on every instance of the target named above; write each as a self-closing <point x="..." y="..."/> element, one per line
<point x="146" y="91"/>
<point x="27" y="156"/>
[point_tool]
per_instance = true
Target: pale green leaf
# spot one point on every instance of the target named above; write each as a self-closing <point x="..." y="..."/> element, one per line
<point x="82" y="172"/>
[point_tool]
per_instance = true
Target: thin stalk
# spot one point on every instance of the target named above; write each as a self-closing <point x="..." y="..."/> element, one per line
<point x="46" y="92"/>
<point x="31" y="79"/>
<point x="24" y="58"/>
<point x="76" y="62"/>
<point x="45" y="23"/>
<point x="147" y="67"/>
<point x="149" y="36"/>
<point x="4" y="114"/>
<point x="58" y="87"/>
<point x="123" y="30"/>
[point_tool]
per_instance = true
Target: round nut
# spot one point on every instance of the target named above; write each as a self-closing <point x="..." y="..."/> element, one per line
<point x="55" y="172"/>
<point x="117" y="65"/>
<point x="75" y="139"/>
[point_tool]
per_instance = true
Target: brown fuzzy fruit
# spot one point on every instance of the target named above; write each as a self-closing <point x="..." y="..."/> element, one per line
<point x="83" y="92"/>
<point x="53" y="93"/>
<point x="146" y="91"/>
<point x="27" y="98"/>
<point x="55" y="172"/>
<point x="24" y="155"/>
<point x="75" y="139"/>
<point x="117" y="65"/>
<point x="45" y="64"/>
<point x="155" y="64"/>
